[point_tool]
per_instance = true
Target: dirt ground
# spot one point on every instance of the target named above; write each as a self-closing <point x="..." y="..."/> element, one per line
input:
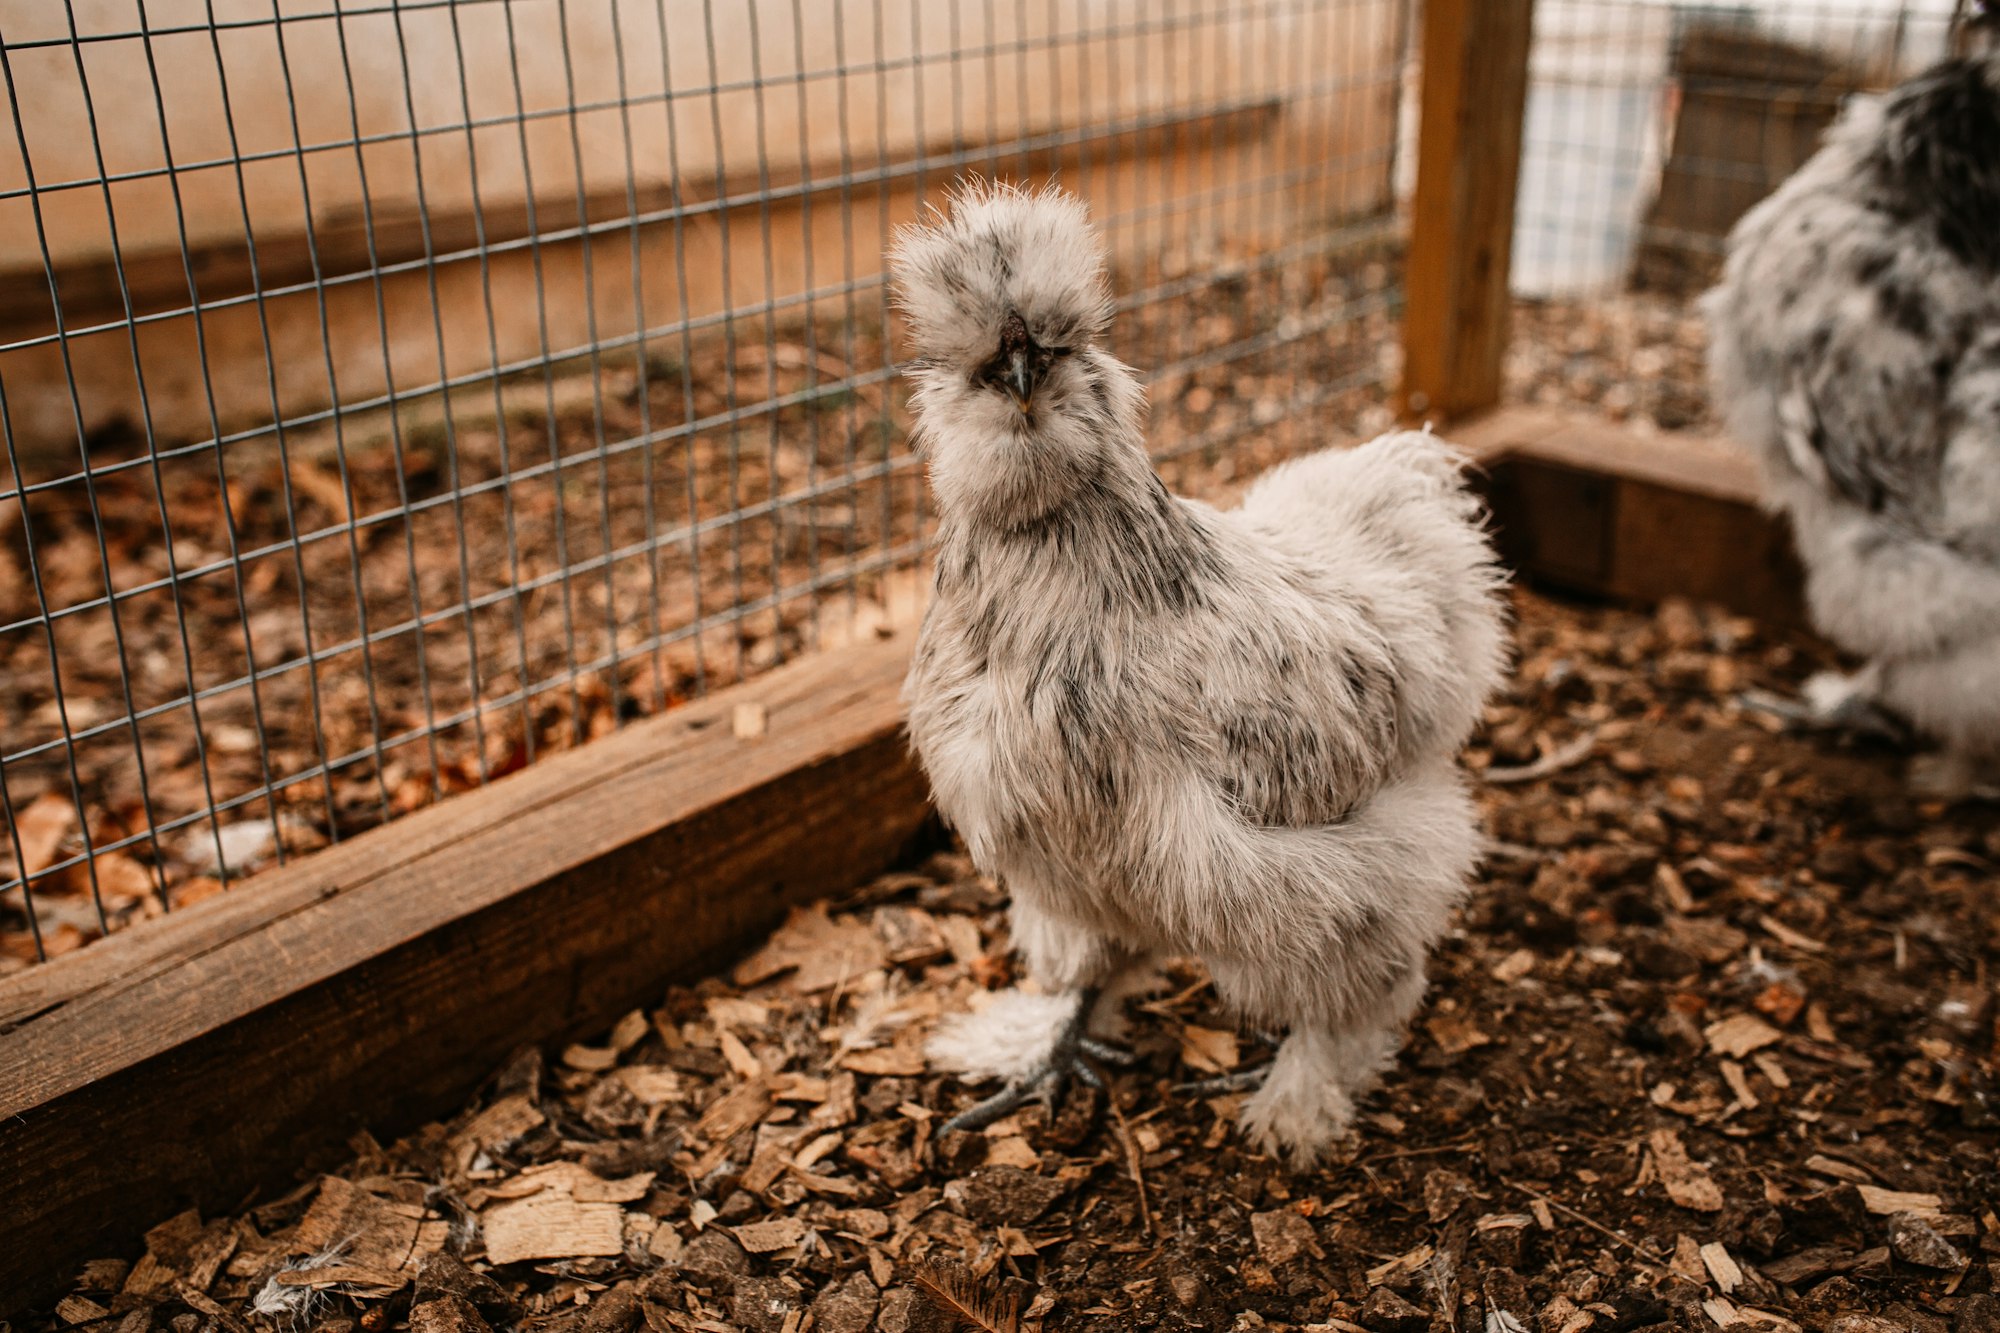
<point x="605" y="578"/>
<point x="1713" y="1045"/>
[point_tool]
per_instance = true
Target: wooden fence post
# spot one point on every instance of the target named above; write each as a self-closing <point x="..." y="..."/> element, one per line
<point x="1475" y="72"/>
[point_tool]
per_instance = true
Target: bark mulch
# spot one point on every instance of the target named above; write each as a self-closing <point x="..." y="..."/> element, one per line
<point x="1713" y="1046"/>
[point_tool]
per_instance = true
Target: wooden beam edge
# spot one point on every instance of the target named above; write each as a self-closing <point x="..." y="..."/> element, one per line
<point x="251" y="1040"/>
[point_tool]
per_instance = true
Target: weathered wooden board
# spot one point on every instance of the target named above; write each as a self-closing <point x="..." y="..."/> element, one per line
<point x="1584" y="505"/>
<point x="225" y="1048"/>
<point x="1475" y="90"/>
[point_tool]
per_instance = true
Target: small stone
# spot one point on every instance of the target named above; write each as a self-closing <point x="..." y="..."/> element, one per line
<point x="1386" y="1312"/>
<point x="1915" y="1241"/>
<point x="847" y="1307"/>
<point x="1831" y="1296"/>
<point x="1189" y="1291"/>
<point x="446" y="1314"/>
<point x="714" y="1259"/>
<point x="1283" y="1236"/>
<point x="1977" y="1314"/>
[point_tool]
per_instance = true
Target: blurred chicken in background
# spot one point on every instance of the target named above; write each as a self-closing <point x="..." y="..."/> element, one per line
<point x="1856" y="348"/>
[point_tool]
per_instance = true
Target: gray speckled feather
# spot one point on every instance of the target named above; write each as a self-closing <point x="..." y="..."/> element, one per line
<point x="1856" y="348"/>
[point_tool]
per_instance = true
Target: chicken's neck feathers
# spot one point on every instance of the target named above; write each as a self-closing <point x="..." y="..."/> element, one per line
<point x="1120" y="547"/>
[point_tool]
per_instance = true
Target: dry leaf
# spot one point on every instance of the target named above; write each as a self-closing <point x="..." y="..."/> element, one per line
<point x="1454" y="1034"/>
<point x="1739" y="1035"/>
<point x="39" y="830"/>
<point x="1688" y="1183"/>
<point x="822" y="953"/>
<point x="1210" y="1050"/>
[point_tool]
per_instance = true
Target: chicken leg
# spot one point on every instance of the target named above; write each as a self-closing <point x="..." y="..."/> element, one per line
<point x="1068" y="1057"/>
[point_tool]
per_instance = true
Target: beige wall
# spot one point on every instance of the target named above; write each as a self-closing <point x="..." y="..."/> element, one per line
<point x="1341" y="51"/>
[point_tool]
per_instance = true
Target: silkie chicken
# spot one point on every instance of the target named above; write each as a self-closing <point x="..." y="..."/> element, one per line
<point x="1169" y="729"/>
<point x="1855" y="346"/>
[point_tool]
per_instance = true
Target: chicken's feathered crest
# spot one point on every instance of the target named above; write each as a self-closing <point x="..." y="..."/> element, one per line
<point x="997" y="250"/>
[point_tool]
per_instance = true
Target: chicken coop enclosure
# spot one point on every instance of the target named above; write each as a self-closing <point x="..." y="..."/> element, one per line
<point x="457" y="478"/>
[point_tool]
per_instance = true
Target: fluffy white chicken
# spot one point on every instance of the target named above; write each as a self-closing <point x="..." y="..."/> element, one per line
<point x="1856" y="349"/>
<point x="1169" y="729"/>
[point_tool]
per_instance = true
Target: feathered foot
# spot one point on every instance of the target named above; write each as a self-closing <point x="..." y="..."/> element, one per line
<point x="1952" y="775"/>
<point x="1041" y="1078"/>
<point x="1847" y="705"/>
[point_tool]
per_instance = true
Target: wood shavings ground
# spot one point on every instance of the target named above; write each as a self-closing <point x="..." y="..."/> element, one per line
<point x="1565" y="1139"/>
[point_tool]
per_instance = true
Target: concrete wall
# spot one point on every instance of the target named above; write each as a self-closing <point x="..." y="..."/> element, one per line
<point x="921" y="76"/>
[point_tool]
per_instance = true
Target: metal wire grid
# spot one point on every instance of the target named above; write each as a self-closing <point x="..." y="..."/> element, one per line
<point x="370" y="518"/>
<point x="1652" y="126"/>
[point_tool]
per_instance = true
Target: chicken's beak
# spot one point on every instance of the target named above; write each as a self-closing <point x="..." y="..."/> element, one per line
<point x="1019" y="380"/>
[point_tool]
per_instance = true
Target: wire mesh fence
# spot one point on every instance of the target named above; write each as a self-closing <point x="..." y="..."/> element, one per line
<point x="394" y="393"/>
<point x="1652" y="126"/>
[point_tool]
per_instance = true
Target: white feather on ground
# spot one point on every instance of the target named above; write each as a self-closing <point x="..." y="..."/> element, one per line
<point x="1171" y="728"/>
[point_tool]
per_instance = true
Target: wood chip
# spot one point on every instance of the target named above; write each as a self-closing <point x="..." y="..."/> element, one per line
<point x="1740" y="1034"/>
<point x="631" y="1030"/>
<point x="590" y="1059"/>
<point x="961" y="936"/>
<point x="1688" y="1183"/>
<point x="80" y="1310"/>
<point x="748" y="721"/>
<point x="551" y="1225"/>
<point x="1012" y="1150"/>
<point x="738" y="1055"/>
<point x="1883" y="1202"/>
<point x="1784" y="934"/>
<point x="652" y="1085"/>
<point x="1821" y="1164"/>
<point x="1715" y="1258"/>
<point x="368" y="1232"/>
<point x="1514" y="966"/>
<point x="340" y="1275"/>
<point x="1455" y="1034"/>
<point x="1282" y="1236"/>
<point x="769" y="1237"/>
<point x="499" y="1124"/>
<point x="1739" y="1085"/>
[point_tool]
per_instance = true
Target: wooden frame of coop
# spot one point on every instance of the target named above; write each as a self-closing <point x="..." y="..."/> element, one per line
<point x="214" y="1052"/>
